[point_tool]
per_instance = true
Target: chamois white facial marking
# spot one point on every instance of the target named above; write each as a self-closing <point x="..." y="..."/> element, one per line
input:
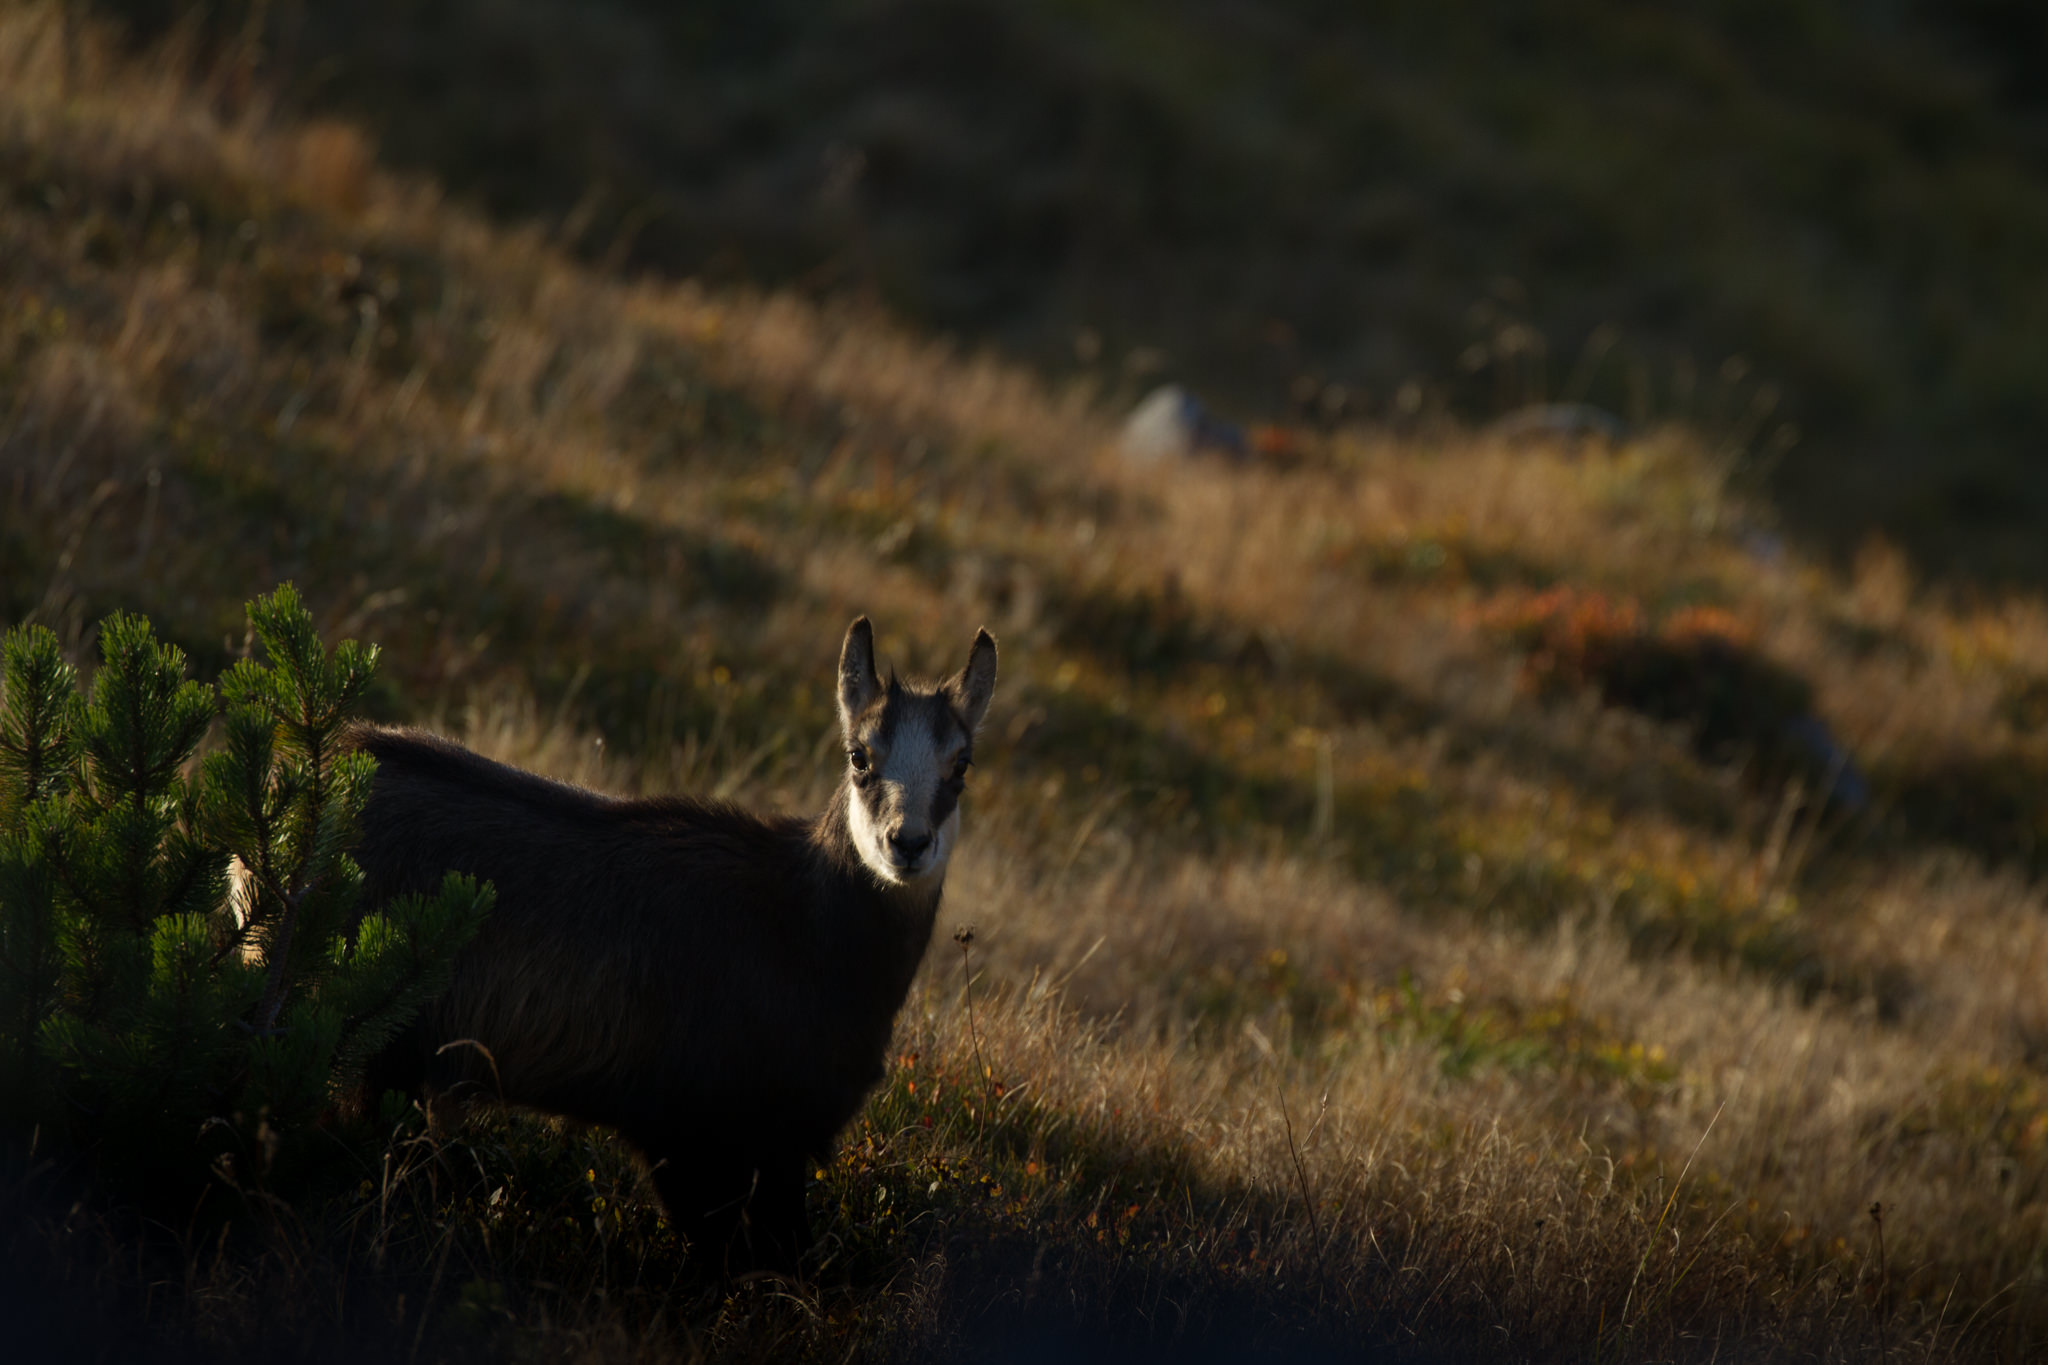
<point x="891" y="816"/>
<point x="908" y="750"/>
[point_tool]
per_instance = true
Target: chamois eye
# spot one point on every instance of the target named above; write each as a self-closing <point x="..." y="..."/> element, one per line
<point x="858" y="757"/>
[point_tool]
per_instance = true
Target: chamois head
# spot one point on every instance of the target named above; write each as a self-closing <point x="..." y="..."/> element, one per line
<point x="908" y="748"/>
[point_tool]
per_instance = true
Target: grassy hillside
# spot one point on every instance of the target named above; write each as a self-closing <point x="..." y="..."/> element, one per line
<point x="1469" y="898"/>
<point x="1817" y="214"/>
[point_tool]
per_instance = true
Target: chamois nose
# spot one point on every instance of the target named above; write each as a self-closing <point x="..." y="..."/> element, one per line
<point x="907" y="847"/>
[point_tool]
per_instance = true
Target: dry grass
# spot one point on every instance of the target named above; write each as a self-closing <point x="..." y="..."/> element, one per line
<point x="1339" y="984"/>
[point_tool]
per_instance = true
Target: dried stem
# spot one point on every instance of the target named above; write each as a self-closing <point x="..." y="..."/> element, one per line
<point x="1308" y="1202"/>
<point x="964" y="936"/>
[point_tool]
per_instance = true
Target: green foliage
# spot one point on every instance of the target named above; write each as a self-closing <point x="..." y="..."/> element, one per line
<point x="149" y="995"/>
<point x="38" y="728"/>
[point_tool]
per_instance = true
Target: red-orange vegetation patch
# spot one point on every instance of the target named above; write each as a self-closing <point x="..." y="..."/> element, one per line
<point x="1571" y="637"/>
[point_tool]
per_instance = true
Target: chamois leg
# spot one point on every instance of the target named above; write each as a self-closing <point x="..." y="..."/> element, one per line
<point x="704" y="1199"/>
<point x="739" y="1213"/>
<point x="777" y="1230"/>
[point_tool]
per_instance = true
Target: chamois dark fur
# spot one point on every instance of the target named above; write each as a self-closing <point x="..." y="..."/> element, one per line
<point x="717" y="986"/>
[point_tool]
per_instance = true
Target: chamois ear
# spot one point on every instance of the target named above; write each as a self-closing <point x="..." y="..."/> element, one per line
<point x="977" y="682"/>
<point x="858" y="685"/>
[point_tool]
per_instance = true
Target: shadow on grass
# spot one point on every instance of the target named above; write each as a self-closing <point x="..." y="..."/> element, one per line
<point x="474" y="573"/>
<point x="1053" y="1234"/>
<point x="510" y="1234"/>
<point x="1737" y="707"/>
<point x="1160" y="636"/>
<point x="1994" y="805"/>
<point x="1400" y="835"/>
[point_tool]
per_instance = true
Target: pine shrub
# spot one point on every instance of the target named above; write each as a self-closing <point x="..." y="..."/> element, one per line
<point x="187" y="977"/>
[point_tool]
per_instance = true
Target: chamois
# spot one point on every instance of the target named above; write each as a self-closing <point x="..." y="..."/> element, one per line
<point x="717" y="986"/>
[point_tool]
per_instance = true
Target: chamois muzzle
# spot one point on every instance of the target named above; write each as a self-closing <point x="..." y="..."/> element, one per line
<point x="906" y="849"/>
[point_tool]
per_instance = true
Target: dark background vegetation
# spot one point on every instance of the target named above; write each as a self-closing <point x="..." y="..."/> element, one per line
<point x="1842" y="200"/>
